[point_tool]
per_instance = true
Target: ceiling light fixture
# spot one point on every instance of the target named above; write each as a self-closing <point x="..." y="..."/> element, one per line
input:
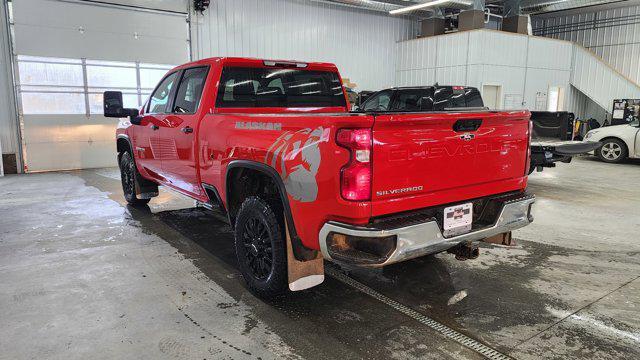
<point x="425" y="5"/>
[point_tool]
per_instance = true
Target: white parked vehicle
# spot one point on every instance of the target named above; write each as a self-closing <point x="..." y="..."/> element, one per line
<point x="618" y="141"/>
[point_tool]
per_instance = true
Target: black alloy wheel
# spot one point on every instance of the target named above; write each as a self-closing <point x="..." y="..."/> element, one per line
<point x="129" y="176"/>
<point x="258" y="251"/>
<point x="260" y="245"/>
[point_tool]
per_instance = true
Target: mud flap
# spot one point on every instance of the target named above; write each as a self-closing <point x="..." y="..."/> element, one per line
<point x="145" y="189"/>
<point x="303" y="274"/>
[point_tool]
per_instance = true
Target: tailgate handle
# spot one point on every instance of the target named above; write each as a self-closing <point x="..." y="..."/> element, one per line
<point x="463" y="125"/>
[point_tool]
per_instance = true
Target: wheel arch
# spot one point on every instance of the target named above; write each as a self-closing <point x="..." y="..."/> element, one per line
<point x="300" y="251"/>
<point x="613" y="137"/>
<point x="123" y="143"/>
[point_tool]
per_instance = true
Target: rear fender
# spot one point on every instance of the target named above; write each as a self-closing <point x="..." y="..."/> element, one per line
<point x="300" y="251"/>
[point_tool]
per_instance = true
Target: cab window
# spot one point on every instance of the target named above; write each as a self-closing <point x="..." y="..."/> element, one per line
<point x="190" y="90"/>
<point x="448" y="97"/>
<point x="419" y="99"/>
<point x="160" y="97"/>
<point x="378" y="102"/>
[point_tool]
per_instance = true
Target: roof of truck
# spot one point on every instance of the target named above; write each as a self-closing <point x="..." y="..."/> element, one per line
<point x="254" y="62"/>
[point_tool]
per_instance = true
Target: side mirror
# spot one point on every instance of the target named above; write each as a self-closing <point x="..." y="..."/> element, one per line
<point x="112" y="107"/>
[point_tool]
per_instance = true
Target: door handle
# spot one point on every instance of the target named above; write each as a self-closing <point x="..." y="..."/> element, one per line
<point x="155" y="127"/>
<point x="187" y="130"/>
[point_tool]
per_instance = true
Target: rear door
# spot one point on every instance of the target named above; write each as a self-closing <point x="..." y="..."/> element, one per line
<point x="148" y="148"/>
<point x="178" y="133"/>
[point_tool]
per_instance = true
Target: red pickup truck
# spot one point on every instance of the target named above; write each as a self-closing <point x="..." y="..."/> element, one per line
<point x="273" y="145"/>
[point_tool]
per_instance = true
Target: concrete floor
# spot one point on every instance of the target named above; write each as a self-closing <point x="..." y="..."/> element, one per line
<point x="84" y="276"/>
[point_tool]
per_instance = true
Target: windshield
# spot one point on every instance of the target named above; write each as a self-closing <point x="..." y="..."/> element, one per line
<point x="278" y="87"/>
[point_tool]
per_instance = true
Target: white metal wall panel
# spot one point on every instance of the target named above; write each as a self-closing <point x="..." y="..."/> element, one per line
<point x="511" y="78"/>
<point x="163" y="5"/>
<point x="475" y="75"/>
<point x="583" y="107"/>
<point x="417" y="54"/>
<point x="450" y="75"/>
<point x="600" y="82"/>
<point x="452" y="49"/>
<point x="546" y="54"/>
<point x="539" y="80"/>
<point x="361" y="43"/>
<point x="619" y="46"/>
<point x="498" y="48"/>
<point x="416" y="77"/>
<point x="81" y="30"/>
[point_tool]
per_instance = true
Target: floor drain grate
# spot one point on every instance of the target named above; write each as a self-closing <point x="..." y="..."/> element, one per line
<point x="448" y="332"/>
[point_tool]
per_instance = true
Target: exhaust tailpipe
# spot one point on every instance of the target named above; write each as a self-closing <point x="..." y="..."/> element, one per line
<point x="465" y="251"/>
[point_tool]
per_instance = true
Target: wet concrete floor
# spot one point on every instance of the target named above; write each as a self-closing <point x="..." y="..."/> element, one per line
<point x="82" y="275"/>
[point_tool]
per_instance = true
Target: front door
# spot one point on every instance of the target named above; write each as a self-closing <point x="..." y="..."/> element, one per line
<point x="147" y="148"/>
<point x="179" y="166"/>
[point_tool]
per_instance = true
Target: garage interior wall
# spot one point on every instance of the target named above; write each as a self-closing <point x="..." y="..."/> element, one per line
<point x="612" y="33"/>
<point x="585" y="108"/>
<point x="487" y="57"/>
<point x="8" y="124"/>
<point x="360" y="42"/>
<point x="68" y="53"/>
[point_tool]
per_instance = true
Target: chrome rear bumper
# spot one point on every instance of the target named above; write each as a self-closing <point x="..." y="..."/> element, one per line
<point x="427" y="238"/>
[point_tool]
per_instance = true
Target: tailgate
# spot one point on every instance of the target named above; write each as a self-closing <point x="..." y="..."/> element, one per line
<point x="428" y="159"/>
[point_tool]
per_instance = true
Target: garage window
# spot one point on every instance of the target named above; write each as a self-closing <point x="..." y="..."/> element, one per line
<point x="75" y="86"/>
<point x="51" y="85"/>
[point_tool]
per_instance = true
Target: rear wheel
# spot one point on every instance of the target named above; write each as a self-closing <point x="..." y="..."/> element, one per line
<point x="612" y="151"/>
<point x="260" y="247"/>
<point x="130" y="177"/>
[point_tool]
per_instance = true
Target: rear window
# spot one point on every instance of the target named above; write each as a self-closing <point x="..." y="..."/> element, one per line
<point x="428" y="99"/>
<point x="449" y="97"/>
<point x="279" y="87"/>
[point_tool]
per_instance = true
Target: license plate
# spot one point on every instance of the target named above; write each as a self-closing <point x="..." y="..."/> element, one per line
<point x="458" y="219"/>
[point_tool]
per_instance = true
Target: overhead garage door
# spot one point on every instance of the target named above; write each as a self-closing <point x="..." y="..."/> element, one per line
<point x="68" y="53"/>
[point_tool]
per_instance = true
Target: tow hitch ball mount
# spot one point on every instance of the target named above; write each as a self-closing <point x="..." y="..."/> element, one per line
<point x="465" y="251"/>
<point x="469" y="250"/>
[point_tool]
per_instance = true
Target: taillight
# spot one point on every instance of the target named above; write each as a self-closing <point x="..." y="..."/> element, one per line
<point x="355" y="177"/>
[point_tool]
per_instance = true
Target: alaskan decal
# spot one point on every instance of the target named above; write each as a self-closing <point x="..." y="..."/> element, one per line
<point x="296" y="155"/>
<point x="253" y="125"/>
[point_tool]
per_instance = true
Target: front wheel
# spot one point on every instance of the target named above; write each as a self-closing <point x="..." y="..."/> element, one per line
<point x="129" y="176"/>
<point x="612" y="151"/>
<point x="260" y="247"/>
